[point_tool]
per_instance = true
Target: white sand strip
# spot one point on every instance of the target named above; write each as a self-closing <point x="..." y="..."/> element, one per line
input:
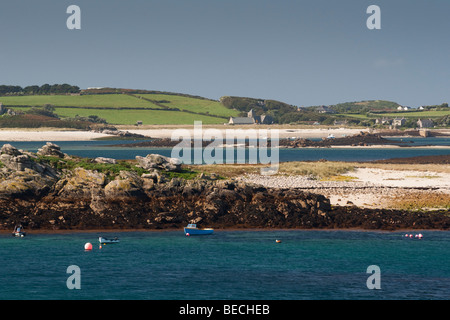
<point x="29" y="135"/>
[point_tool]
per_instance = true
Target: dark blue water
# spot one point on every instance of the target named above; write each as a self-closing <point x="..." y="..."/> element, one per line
<point x="227" y="265"/>
<point x="93" y="149"/>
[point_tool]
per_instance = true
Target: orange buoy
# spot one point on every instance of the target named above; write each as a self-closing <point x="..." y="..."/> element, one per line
<point x="278" y="241"/>
<point x="88" y="246"/>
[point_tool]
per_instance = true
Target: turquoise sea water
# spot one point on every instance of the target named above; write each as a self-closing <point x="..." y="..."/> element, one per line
<point x="227" y="265"/>
<point x="93" y="149"/>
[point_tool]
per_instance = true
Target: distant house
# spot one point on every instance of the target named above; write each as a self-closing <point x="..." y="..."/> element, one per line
<point x="325" y="109"/>
<point x="399" y="122"/>
<point x="240" y="120"/>
<point x="426" y="123"/>
<point x="403" y="108"/>
<point x="251" y="119"/>
<point x="421" y="108"/>
<point x="340" y="123"/>
<point x="383" y="121"/>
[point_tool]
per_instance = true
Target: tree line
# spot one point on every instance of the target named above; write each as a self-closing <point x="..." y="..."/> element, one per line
<point x="34" y="89"/>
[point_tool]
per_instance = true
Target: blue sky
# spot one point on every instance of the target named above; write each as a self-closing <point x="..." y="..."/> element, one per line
<point x="300" y="52"/>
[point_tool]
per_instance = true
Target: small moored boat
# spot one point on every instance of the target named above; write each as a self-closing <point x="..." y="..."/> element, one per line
<point x="192" y="229"/>
<point x="104" y="240"/>
<point x="19" y="231"/>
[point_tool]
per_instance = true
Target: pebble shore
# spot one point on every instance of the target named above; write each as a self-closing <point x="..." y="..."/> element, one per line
<point x="359" y="192"/>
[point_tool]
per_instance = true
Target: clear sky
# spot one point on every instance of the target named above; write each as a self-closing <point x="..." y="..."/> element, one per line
<point x="301" y="52"/>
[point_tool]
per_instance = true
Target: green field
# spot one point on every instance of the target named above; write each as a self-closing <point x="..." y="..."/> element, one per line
<point x="416" y="114"/>
<point x="100" y="100"/>
<point x="129" y="117"/>
<point x="193" y="104"/>
<point x="103" y="105"/>
<point x="406" y="114"/>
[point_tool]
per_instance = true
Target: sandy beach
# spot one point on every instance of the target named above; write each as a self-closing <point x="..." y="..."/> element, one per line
<point x="49" y="135"/>
<point x="160" y="132"/>
<point x="282" y="131"/>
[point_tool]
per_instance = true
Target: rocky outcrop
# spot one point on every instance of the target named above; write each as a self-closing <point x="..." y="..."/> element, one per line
<point x="128" y="203"/>
<point x="126" y="185"/>
<point x="51" y="150"/>
<point x="79" y="184"/>
<point x="157" y="161"/>
<point x="40" y="196"/>
<point x="105" y="160"/>
<point x="361" y="139"/>
<point x="21" y="175"/>
<point x="122" y="134"/>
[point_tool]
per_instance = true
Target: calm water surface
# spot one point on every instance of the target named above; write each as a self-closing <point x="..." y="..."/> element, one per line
<point x="227" y="265"/>
<point x="93" y="149"/>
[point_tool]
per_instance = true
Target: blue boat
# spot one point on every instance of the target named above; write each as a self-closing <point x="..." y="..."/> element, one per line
<point x="192" y="229"/>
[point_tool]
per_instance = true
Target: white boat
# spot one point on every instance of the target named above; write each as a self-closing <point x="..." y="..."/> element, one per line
<point x="19" y="231"/>
<point x="104" y="240"/>
<point x="331" y="136"/>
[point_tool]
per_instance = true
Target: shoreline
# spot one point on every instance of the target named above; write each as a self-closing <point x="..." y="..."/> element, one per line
<point x="230" y="229"/>
<point x="90" y="199"/>
<point x="49" y="135"/>
<point x="57" y="134"/>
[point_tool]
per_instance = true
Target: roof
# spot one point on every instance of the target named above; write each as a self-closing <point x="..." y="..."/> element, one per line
<point x="241" y="120"/>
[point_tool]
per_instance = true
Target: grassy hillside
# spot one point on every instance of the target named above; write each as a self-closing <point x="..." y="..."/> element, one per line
<point x="365" y="106"/>
<point x="419" y="114"/>
<point x="128" y="108"/>
<point x="98" y="101"/>
<point x="192" y="104"/>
